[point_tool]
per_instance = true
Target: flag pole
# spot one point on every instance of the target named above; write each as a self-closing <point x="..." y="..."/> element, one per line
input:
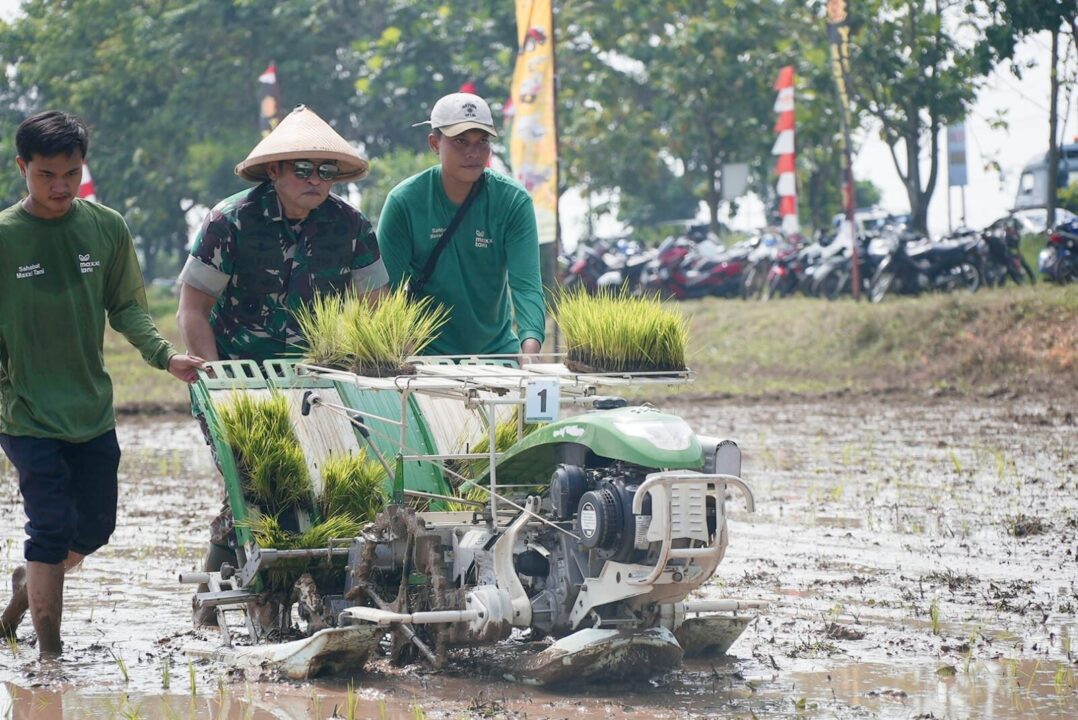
<point x="838" y="31"/>
<point x="533" y="139"/>
<point x="557" y="166"/>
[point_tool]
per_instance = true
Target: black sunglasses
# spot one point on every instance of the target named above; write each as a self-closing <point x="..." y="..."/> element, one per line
<point x="303" y="169"/>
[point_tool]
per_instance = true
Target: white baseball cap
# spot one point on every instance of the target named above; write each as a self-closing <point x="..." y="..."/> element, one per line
<point x="457" y="112"/>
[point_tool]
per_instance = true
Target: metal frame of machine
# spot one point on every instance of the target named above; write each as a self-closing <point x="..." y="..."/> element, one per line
<point x="630" y="520"/>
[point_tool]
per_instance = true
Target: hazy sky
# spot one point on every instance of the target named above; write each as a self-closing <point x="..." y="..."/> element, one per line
<point x="989" y="194"/>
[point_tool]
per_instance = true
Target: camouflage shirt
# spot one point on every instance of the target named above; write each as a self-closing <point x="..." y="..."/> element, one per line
<point x="270" y="267"/>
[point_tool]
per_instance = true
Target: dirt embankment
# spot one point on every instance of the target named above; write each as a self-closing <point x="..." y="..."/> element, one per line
<point x="997" y="342"/>
<point x="1004" y="341"/>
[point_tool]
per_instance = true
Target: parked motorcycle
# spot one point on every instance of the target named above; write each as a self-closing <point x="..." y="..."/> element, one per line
<point x="1003" y="260"/>
<point x="833" y="276"/>
<point x="916" y="266"/>
<point x="682" y="270"/>
<point x="624" y="269"/>
<point x="758" y="262"/>
<point x="586" y="266"/>
<point x="791" y="270"/>
<point x="1059" y="261"/>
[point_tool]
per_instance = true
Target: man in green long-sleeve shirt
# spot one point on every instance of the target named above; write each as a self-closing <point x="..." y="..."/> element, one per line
<point x="488" y="274"/>
<point x="65" y="265"/>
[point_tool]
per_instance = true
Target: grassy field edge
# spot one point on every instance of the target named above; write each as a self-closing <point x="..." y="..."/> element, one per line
<point x="1015" y="339"/>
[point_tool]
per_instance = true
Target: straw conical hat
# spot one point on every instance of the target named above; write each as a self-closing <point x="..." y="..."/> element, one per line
<point x="301" y="136"/>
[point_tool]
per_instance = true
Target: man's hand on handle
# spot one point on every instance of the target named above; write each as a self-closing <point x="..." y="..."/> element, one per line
<point x="185" y="367"/>
<point x="529" y="349"/>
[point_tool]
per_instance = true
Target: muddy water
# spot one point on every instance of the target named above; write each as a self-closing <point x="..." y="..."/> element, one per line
<point x="921" y="558"/>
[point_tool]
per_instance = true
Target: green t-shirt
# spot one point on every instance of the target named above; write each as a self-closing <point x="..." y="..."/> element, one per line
<point x="488" y="274"/>
<point x="58" y="279"/>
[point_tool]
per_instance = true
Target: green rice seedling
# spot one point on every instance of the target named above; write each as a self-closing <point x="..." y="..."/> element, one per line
<point x="378" y="337"/>
<point x="934" y="615"/>
<point x="505" y="436"/>
<point x="321" y="322"/>
<point x="267" y="532"/>
<point x="259" y="431"/>
<point x="956" y="462"/>
<point x="334" y="528"/>
<point x="352" y="486"/>
<point x="129" y="712"/>
<point x="613" y="332"/>
<point x="469" y="491"/>
<point x="1001" y="465"/>
<point x="1033" y="674"/>
<point x="1064" y="679"/>
<point x="351" y="702"/>
<point x="122" y="666"/>
<point x="222" y="692"/>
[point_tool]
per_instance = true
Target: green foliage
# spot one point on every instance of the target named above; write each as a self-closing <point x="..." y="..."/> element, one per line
<point x="674" y="86"/>
<point x="267" y="533"/>
<point x="353" y="486"/>
<point x="505" y="436"/>
<point x="654" y="98"/>
<point x="321" y="322"/>
<point x="369" y="337"/>
<point x="614" y="332"/>
<point x="386" y="171"/>
<point x="1068" y="197"/>
<point x="914" y="76"/>
<point x="270" y="459"/>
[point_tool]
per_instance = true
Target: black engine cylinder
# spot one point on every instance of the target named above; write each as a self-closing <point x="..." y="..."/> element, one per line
<point x="567" y="485"/>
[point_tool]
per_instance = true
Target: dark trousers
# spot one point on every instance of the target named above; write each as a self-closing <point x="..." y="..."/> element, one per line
<point x="68" y="493"/>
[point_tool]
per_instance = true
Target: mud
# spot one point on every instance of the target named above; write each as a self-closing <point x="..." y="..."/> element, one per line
<point x="920" y="557"/>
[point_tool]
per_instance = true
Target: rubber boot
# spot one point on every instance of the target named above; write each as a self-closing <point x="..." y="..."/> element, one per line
<point x="17" y="605"/>
<point x="45" y="590"/>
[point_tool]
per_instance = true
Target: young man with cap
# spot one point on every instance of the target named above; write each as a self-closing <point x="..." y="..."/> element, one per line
<point x="66" y="265"/>
<point x="487" y="273"/>
<point x="265" y="252"/>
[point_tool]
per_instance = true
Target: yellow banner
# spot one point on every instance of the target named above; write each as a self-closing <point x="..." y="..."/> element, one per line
<point x="533" y="148"/>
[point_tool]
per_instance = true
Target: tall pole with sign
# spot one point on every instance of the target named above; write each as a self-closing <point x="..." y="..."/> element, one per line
<point x="956" y="167"/>
<point x="838" y="32"/>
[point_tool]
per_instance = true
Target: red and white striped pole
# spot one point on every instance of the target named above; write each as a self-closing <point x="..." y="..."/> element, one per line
<point x="86" y="188"/>
<point x="784" y="148"/>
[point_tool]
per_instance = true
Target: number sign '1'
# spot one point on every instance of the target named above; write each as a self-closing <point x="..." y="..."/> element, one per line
<point x="542" y="400"/>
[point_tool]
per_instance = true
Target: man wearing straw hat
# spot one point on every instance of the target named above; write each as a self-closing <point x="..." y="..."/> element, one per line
<point x="263" y="253"/>
<point x="487" y="269"/>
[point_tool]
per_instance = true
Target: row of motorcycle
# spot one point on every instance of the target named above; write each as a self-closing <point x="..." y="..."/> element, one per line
<point x="891" y="259"/>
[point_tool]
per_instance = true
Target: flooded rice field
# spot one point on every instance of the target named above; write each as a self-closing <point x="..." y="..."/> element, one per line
<point x="919" y="557"/>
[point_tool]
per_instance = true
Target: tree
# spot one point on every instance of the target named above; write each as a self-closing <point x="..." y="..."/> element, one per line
<point x="1011" y="21"/>
<point x="408" y="54"/>
<point x="678" y="85"/>
<point x="386" y="171"/>
<point x="914" y="77"/>
<point x="168" y="87"/>
<point x="1068" y="197"/>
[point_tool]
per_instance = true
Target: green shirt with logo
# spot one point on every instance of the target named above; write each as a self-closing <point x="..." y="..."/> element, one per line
<point x="488" y="274"/>
<point x="59" y="280"/>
